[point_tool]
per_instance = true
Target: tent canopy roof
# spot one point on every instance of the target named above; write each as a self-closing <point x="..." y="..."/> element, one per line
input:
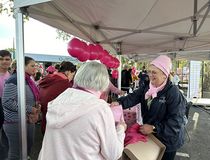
<point x="140" y="29"/>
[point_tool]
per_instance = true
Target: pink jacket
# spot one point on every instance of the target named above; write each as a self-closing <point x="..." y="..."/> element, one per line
<point x="80" y="126"/>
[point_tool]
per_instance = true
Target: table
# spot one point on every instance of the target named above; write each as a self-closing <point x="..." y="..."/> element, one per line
<point x="201" y="102"/>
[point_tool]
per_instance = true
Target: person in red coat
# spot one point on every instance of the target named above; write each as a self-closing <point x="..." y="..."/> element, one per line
<point x="53" y="85"/>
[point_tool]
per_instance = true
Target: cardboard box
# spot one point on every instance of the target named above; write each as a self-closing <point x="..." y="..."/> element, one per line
<point x="153" y="149"/>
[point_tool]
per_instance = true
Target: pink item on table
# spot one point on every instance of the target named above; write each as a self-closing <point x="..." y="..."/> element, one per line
<point x="133" y="135"/>
<point x="118" y="113"/>
<point x="133" y="115"/>
<point x="130" y="115"/>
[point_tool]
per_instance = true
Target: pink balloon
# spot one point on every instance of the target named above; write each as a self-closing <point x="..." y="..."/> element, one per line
<point x="99" y="51"/>
<point x="93" y="52"/>
<point x="111" y="62"/>
<point x="105" y="53"/>
<point x="85" y="54"/>
<point x="75" y="47"/>
<point x="117" y="62"/>
<point x="115" y="74"/>
<point x="88" y="48"/>
<point x="83" y="58"/>
<point x="105" y="59"/>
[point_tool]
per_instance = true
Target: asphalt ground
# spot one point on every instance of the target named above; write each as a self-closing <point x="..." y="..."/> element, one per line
<point x="197" y="145"/>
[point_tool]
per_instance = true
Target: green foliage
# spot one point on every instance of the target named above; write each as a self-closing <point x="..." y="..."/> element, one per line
<point x="206" y="76"/>
<point x="131" y="63"/>
<point x="126" y="61"/>
<point x="63" y="35"/>
<point x="183" y="63"/>
<point x="12" y="51"/>
<point x="6" y="6"/>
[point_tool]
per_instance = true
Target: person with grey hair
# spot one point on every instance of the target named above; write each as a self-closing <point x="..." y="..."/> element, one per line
<point x="80" y="125"/>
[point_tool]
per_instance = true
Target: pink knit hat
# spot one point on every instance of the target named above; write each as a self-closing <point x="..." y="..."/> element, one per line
<point x="163" y="62"/>
<point x="51" y="69"/>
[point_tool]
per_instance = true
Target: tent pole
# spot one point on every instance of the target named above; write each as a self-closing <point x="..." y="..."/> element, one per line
<point x="202" y="8"/>
<point x="119" y="72"/>
<point x="204" y="18"/>
<point x="195" y="17"/>
<point x="202" y="79"/>
<point x="21" y="82"/>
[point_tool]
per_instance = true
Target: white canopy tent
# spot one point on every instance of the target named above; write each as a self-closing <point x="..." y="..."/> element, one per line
<point x="139" y="29"/>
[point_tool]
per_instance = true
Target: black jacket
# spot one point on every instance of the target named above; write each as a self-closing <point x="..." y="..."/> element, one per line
<point x="166" y="113"/>
<point x="126" y="78"/>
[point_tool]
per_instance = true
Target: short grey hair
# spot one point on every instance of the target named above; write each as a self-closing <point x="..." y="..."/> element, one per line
<point x="92" y="75"/>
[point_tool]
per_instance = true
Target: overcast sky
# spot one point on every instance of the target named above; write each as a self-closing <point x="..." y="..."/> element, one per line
<point x="39" y="38"/>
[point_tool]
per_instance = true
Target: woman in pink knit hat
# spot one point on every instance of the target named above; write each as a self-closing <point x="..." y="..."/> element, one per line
<point x="162" y="106"/>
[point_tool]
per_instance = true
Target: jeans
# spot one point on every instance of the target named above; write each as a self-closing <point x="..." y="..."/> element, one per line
<point x="4" y="146"/>
<point x="12" y="132"/>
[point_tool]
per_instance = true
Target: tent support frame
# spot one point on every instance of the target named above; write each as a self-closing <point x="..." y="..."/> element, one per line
<point x="21" y="82"/>
<point x="73" y="22"/>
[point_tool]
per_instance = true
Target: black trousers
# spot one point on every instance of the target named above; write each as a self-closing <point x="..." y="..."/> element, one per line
<point x="4" y="145"/>
<point x="169" y="155"/>
<point x="1" y="115"/>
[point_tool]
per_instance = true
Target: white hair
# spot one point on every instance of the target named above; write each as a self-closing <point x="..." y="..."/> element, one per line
<point x="92" y="75"/>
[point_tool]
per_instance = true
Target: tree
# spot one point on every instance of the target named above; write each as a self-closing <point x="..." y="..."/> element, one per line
<point x="63" y="35"/>
<point x="12" y="51"/>
<point x="206" y="78"/>
<point x="6" y="6"/>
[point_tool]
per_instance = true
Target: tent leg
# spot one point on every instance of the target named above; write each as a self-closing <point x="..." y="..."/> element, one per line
<point x="21" y="82"/>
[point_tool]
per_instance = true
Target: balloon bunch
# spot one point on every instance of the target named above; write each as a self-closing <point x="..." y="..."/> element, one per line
<point x="84" y="52"/>
<point x="115" y="74"/>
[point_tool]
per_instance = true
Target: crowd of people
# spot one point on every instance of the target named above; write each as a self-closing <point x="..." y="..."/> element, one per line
<point x="77" y="122"/>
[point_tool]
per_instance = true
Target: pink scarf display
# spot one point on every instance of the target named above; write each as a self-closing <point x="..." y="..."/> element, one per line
<point x="152" y="92"/>
<point x="33" y="87"/>
<point x="133" y="135"/>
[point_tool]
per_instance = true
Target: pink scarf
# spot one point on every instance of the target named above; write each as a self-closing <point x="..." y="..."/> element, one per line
<point x="152" y="92"/>
<point x="33" y="86"/>
<point x="96" y="93"/>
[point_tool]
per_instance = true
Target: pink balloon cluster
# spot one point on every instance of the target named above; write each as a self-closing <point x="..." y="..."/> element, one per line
<point x="115" y="74"/>
<point x="84" y="52"/>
